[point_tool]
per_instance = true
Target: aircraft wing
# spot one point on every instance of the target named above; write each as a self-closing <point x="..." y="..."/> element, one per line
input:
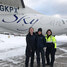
<point x="15" y="3"/>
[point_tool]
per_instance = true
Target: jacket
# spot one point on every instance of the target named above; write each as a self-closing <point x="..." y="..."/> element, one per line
<point x="40" y="39"/>
<point x="31" y="42"/>
<point x="51" y="40"/>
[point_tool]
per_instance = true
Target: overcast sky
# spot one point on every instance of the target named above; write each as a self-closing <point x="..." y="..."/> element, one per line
<point x="56" y="8"/>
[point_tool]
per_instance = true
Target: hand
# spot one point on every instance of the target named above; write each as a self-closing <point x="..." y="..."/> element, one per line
<point x="55" y="49"/>
<point x="30" y="50"/>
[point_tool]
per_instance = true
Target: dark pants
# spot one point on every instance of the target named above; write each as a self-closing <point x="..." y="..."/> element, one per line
<point x="38" y="51"/>
<point x="50" y="51"/>
<point x="27" y="59"/>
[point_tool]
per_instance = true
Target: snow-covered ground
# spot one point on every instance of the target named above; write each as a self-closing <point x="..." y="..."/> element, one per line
<point x="11" y="46"/>
<point x="62" y="39"/>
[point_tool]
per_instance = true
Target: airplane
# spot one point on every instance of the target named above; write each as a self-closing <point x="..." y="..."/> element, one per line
<point x="15" y="17"/>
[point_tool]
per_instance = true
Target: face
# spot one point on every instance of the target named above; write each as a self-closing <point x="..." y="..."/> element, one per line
<point x="31" y="30"/>
<point x="39" y="32"/>
<point x="49" y="32"/>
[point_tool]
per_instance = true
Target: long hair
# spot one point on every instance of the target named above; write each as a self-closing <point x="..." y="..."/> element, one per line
<point x="29" y="29"/>
<point x="49" y="30"/>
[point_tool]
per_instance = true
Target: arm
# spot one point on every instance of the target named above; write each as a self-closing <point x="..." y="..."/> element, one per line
<point x="54" y="41"/>
<point x="28" y="42"/>
<point x="44" y="42"/>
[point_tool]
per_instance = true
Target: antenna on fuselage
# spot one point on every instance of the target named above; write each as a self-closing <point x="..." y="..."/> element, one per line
<point x="22" y="2"/>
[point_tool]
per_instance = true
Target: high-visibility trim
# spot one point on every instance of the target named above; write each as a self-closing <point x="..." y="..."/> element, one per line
<point x="49" y="42"/>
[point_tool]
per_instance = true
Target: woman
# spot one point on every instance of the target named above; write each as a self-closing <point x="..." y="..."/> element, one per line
<point x="51" y="47"/>
<point x="30" y="48"/>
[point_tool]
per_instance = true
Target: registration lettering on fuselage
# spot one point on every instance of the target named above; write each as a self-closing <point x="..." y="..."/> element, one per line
<point x="8" y="8"/>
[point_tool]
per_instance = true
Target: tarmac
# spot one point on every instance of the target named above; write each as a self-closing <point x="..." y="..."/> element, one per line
<point x="19" y="61"/>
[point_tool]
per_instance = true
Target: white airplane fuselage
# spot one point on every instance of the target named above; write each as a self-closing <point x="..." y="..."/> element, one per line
<point x="19" y="21"/>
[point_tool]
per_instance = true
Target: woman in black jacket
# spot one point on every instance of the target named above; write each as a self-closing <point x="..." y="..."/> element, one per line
<point x="30" y="48"/>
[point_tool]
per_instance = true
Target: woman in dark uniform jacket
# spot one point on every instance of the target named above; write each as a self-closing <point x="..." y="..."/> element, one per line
<point x="30" y="48"/>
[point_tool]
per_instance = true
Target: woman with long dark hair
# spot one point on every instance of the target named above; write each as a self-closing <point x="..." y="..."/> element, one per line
<point x="30" y="48"/>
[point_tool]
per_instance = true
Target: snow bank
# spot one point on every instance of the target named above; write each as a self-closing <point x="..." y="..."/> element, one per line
<point x="12" y="42"/>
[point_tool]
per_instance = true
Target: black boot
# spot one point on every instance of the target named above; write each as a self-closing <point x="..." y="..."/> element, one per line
<point x="48" y="64"/>
<point x="43" y="66"/>
<point x="38" y="65"/>
<point x="51" y="65"/>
